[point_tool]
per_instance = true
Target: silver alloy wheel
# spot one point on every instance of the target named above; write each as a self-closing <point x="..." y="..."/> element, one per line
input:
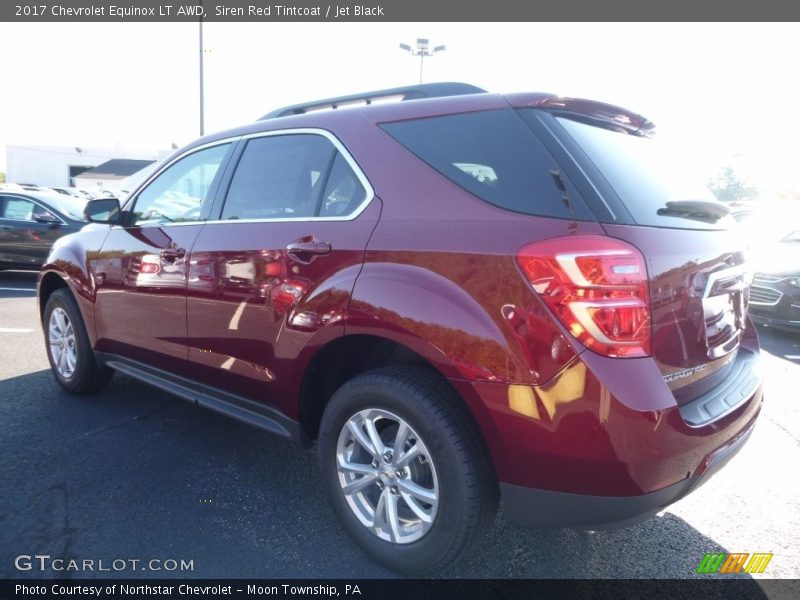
<point x="61" y="338"/>
<point x="387" y="476"/>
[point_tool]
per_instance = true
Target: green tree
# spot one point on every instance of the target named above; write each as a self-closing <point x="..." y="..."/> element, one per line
<point x="729" y="187"/>
<point x="2" y="177"/>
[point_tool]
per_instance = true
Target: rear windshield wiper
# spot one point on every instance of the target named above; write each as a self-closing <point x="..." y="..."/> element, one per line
<point x="706" y="211"/>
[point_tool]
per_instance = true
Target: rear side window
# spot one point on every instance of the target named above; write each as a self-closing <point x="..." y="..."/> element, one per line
<point x="16" y="209"/>
<point x="293" y="176"/>
<point x="646" y="175"/>
<point x="495" y="156"/>
<point x="278" y="177"/>
<point x="343" y="191"/>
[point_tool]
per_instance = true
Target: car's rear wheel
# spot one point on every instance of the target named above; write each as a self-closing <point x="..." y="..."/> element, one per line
<point x="68" y="349"/>
<point x="405" y="468"/>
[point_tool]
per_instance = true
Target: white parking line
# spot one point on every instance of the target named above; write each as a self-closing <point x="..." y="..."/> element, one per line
<point x="13" y="330"/>
<point x="234" y="324"/>
<point x="8" y="289"/>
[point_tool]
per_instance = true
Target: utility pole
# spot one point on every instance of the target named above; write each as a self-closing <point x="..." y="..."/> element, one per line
<point x="202" y="87"/>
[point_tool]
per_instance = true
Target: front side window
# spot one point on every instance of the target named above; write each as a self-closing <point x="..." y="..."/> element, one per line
<point x="179" y="193"/>
<point x="70" y="206"/>
<point x="292" y="176"/>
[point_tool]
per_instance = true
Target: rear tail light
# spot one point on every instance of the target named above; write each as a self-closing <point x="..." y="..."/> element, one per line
<point x="597" y="287"/>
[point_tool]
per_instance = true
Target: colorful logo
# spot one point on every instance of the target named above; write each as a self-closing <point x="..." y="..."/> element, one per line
<point x="738" y="562"/>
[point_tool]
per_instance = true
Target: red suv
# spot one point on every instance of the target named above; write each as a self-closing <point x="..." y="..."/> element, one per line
<point x="465" y="298"/>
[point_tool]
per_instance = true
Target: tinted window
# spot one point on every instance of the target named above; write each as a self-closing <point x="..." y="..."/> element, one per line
<point x="494" y="155"/>
<point x="179" y="193"/>
<point x="279" y="176"/>
<point x="343" y="192"/>
<point x="646" y="175"/>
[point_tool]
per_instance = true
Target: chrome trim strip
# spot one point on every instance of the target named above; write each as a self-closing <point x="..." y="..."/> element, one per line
<point x="134" y="195"/>
<point x="369" y="190"/>
<point x="766" y="290"/>
<point x="762" y="278"/>
<point x="731" y="273"/>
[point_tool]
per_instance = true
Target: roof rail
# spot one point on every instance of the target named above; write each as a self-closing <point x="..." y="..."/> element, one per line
<point x="414" y="92"/>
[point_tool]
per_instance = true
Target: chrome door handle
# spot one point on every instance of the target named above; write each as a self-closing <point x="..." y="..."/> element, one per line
<point x="171" y="253"/>
<point x="316" y="248"/>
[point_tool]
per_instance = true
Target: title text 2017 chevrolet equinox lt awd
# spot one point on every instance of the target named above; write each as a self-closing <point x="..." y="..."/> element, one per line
<point x="465" y="298"/>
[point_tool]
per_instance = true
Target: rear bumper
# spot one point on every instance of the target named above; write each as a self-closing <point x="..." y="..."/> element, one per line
<point x="529" y="507"/>
<point x="610" y="433"/>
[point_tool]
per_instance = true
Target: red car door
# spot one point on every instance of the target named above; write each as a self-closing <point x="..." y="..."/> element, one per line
<point x="272" y="277"/>
<point x="141" y="271"/>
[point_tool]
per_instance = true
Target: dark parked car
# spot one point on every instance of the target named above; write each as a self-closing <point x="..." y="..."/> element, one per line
<point x="775" y="294"/>
<point x="453" y="295"/>
<point x="30" y="221"/>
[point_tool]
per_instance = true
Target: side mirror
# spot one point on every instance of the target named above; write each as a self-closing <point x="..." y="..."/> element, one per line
<point x="47" y="218"/>
<point x="103" y="210"/>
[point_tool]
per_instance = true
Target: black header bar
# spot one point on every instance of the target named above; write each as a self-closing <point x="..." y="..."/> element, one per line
<point x="399" y="589"/>
<point x="395" y="10"/>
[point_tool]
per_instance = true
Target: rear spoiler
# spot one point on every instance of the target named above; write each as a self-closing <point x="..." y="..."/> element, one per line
<point x="600" y="113"/>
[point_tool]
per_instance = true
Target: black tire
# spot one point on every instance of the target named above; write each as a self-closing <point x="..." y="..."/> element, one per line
<point x="88" y="375"/>
<point x="467" y="486"/>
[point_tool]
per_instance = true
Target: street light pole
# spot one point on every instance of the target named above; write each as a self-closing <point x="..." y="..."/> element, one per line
<point x="422" y="50"/>
<point x="202" y="87"/>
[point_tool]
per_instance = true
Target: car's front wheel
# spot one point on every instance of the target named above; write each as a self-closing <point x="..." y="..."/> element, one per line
<point x="405" y="468"/>
<point x="68" y="348"/>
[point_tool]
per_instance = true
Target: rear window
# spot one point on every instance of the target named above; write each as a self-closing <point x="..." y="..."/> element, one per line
<point x="646" y="174"/>
<point x="496" y="157"/>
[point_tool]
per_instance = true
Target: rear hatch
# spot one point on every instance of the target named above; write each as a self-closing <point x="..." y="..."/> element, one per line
<point x="697" y="275"/>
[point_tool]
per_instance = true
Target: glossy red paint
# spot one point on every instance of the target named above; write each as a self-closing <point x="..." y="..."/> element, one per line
<point x="604" y="427"/>
<point x="679" y="264"/>
<point x="140" y="294"/>
<point x="432" y="268"/>
<point x="253" y="307"/>
<point x="69" y="264"/>
<point x="459" y="293"/>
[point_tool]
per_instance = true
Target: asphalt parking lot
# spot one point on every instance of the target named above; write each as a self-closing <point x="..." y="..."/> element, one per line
<point x="133" y="473"/>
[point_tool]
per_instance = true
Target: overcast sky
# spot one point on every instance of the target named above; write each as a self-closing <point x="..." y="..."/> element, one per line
<point x="728" y="93"/>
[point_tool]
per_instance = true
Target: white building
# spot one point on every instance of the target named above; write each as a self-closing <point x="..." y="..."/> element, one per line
<point x="58" y="166"/>
<point x="117" y="174"/>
